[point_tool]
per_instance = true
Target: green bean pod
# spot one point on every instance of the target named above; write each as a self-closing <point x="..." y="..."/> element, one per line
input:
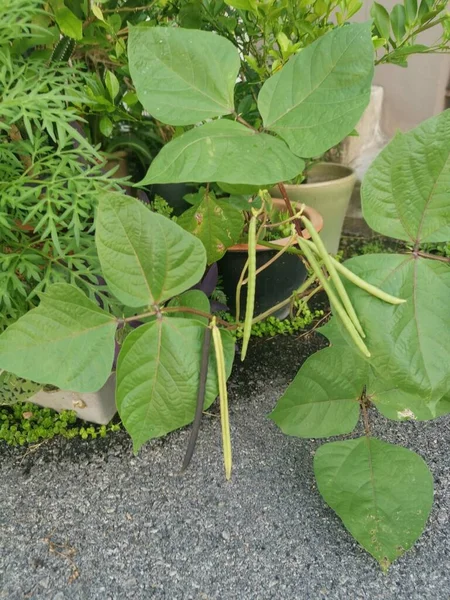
<point x="223" y="396"/>
<point x="333" y="297"/>
<point x="340" y="289"/>
<point x="251" y="285"/>
<point x="367" y="287"/>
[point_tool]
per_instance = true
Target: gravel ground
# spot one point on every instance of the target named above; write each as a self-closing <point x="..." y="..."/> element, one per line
<point x="134" y="528"/>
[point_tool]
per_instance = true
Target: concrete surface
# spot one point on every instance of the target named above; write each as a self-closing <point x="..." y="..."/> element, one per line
<point x="134" y="528"/>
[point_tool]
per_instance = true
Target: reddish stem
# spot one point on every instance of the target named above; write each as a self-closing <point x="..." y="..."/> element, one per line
<point x="296" y="221"/>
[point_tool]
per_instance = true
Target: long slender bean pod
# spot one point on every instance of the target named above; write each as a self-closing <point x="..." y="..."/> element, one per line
<point x="333" y="298"/>
<point x="238" y="290"/>
<point x="340" y="289"/>
<point x="223" y="396"/>
<point x="251" y="285"/>
<point x="367" y="287"/>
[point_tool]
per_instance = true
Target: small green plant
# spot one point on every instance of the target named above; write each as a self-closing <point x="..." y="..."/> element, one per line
<point x="27" y="423"/>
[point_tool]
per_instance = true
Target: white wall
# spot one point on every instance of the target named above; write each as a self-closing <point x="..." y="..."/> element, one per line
<point x="413" y="94"/>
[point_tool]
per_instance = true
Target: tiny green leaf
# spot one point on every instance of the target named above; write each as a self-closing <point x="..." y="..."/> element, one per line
<point x="145" y="257"/>
<point x="224" y="151"/>
<point x="383" y="493"/>
<point x="183" y="76"/>
<point x="106" y="126"/>
<point x="158" y="375"/>
<point x="320" y="94"/>
<point x="67" y="341"/>
<point x="112" y="84"/>
<point x="216" y="223"/>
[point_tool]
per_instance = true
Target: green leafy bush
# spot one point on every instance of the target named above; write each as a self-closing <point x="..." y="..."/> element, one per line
<point x="387" y="347"/>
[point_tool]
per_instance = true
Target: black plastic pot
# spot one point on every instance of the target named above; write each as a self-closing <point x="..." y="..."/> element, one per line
<point x="275" y="283"/>
<point x="173" y="194"/>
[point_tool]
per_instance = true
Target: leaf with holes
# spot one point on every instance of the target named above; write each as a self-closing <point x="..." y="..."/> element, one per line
<point x="145" y="257"/>
<point x="183" y="76"/>
<point x="321" y="93"/>
<point x="383" y="493"/>
<point x="158" y="375"/>
<point x="66" y="329"/>
<point x="224" y="151"/>
<point x="405" y="193"/>
<point x="216" y="223"/>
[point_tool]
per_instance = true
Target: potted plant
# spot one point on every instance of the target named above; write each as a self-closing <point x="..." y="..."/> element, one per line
<point x="279" y="273"/>
<point x="177" y="360"/>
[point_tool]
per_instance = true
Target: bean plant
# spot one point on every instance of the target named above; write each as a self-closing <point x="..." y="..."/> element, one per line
<point x="387" y="347"/>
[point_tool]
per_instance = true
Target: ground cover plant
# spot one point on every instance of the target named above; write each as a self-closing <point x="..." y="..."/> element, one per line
<point x="177" y="360"/>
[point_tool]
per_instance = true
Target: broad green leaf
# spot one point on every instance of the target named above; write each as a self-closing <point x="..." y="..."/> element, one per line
<point x="383" y="493"/>
<point x="323" y="399"/>
<point x="183" y="76"/>
<point x="68" y="23"/>
<point x="405" y="193"/>
<point x="224" y="151"/>
<point x="216" y="223"/>
<point x="407" y="341"/>
<point x="191" y="299"/>
<point x="67" y="341"/>
<point x="410" y="11"/>
<point x="398" y="18"/>
<point x="320" y="94"/>
<point x="145" y="257"/>
<point x="158" y="375"/>
<point x="381" y="18"/>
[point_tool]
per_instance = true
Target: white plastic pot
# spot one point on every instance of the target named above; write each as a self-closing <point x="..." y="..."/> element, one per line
<point x="96" y="407"/>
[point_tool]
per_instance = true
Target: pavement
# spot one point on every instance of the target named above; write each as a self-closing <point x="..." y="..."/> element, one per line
<point x="88" y="520"/>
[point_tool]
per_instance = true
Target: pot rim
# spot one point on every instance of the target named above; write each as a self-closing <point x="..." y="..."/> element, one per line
<point x="313" y="215"/>
<point x="319" y="184"/>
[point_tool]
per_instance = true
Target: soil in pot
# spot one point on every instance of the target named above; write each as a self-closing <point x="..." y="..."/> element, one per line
<point x="274" y="284"/>
<point x="328" y="189"/>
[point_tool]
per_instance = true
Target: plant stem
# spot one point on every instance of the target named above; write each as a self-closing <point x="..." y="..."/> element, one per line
<point x="244" y="122"/>
<point x="171" y="309"/>
<point x="363" y="403"/>
<point x="298" y="227"/>
<point x="444" y="259"/>
<point x="200" y="399"/>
